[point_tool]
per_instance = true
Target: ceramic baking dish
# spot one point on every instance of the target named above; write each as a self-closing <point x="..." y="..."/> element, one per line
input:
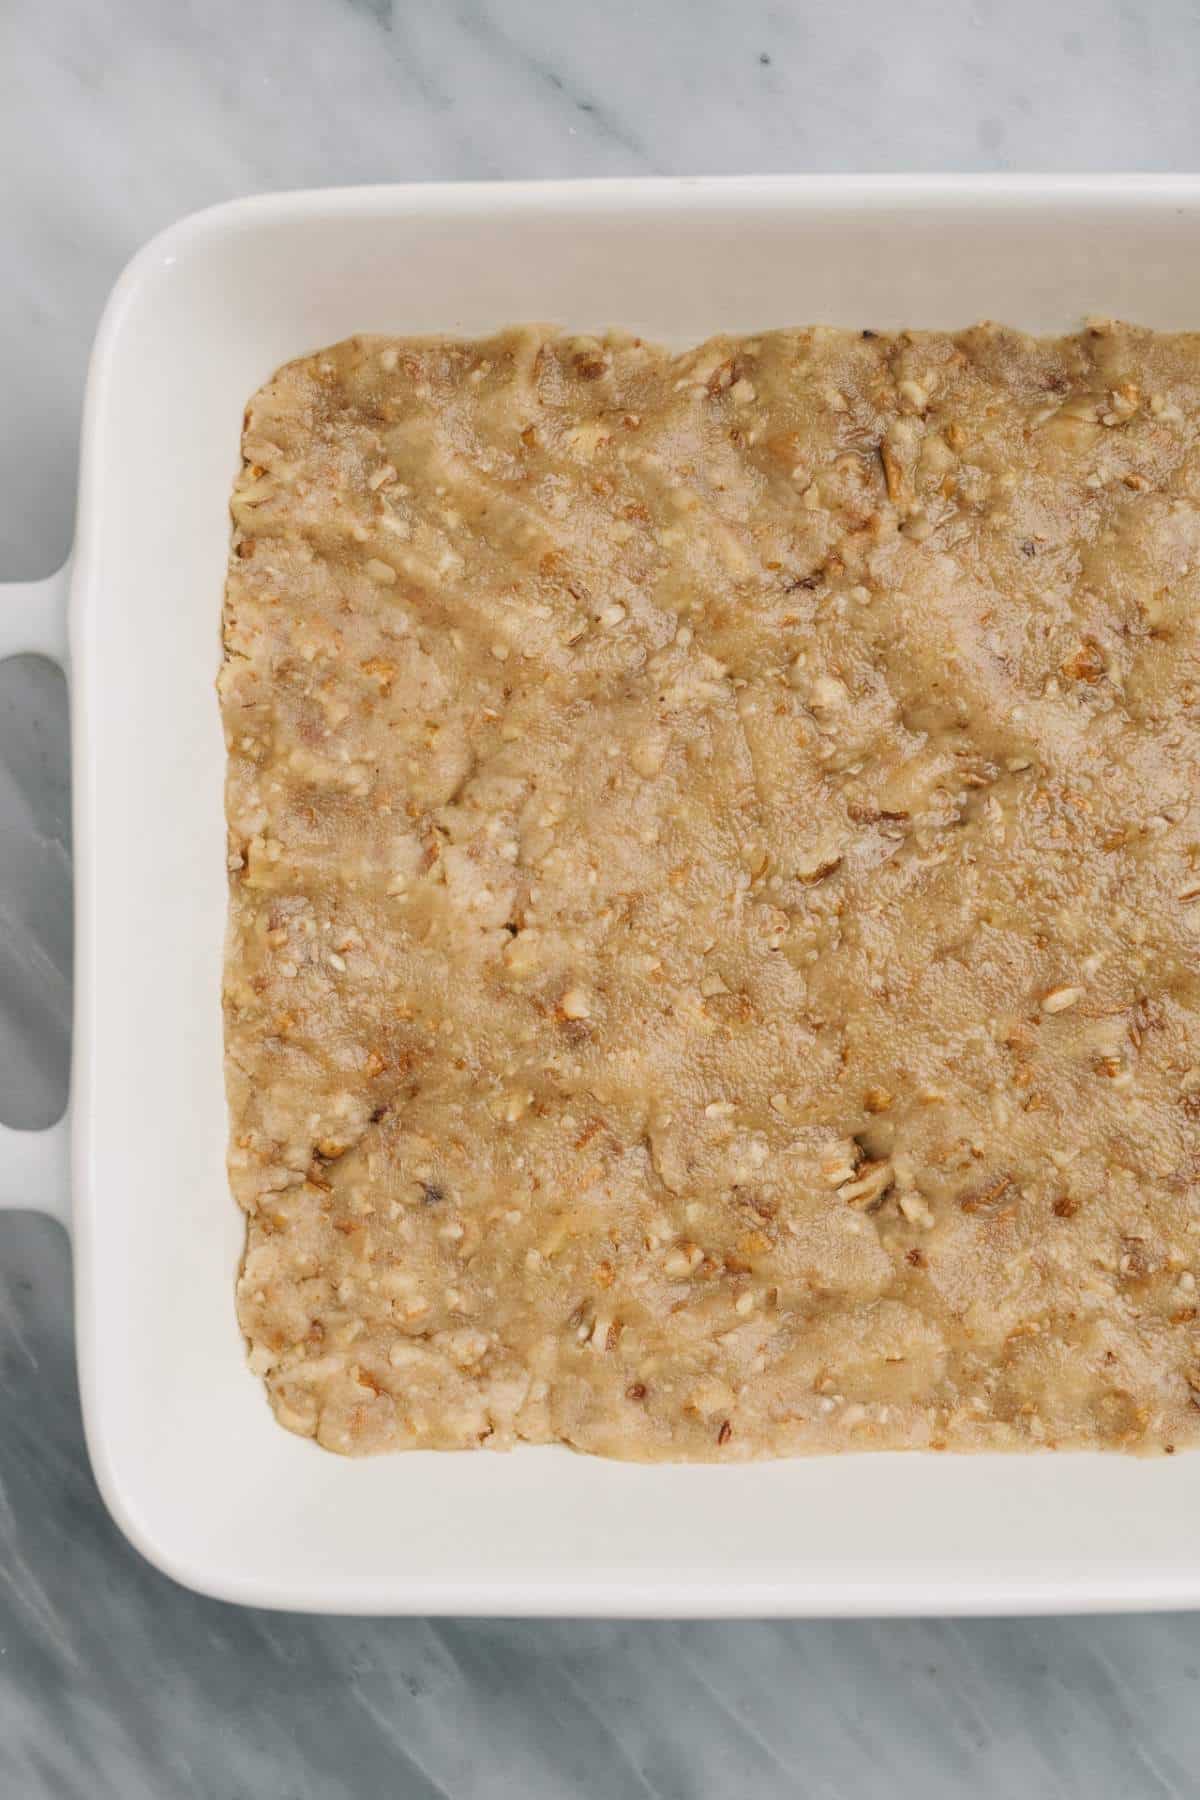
<point x="185" y="1450"/>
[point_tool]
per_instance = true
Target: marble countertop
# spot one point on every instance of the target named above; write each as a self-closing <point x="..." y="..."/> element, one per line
<point x="113" y="1682"/>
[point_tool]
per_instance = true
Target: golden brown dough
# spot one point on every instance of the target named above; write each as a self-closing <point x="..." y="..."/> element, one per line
<point x="715" y="891"/>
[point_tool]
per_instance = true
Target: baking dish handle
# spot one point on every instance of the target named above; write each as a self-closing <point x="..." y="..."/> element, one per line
<point x="33" y="617"/>
<point x="34" y="1164"/>
<point x="37" y="1168"/>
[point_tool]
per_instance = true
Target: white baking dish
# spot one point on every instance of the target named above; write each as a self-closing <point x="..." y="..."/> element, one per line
<point x="185" y="1450"/>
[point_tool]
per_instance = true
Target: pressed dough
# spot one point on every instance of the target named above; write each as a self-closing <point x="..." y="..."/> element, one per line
<point x="714" y="848"/>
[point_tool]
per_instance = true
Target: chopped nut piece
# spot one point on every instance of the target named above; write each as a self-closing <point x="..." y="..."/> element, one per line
<point x="915" y="1208"/>
<point x="839" y="1163"/>
<point x="871" y="1182"/>
<point x="1085" y="664"/>
<point x="682" y="1261"/>
<point x="1060" y="998"/>
<point x="893" y="474"/>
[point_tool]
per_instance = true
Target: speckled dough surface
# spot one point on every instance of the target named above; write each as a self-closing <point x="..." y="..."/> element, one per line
<point x="715" y="892"/>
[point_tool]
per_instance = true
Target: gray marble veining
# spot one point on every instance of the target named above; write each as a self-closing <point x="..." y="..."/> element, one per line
<point x="114" y="119"/>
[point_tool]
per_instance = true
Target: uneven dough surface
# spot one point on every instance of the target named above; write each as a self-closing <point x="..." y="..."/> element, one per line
<point x="715" y="892"/>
